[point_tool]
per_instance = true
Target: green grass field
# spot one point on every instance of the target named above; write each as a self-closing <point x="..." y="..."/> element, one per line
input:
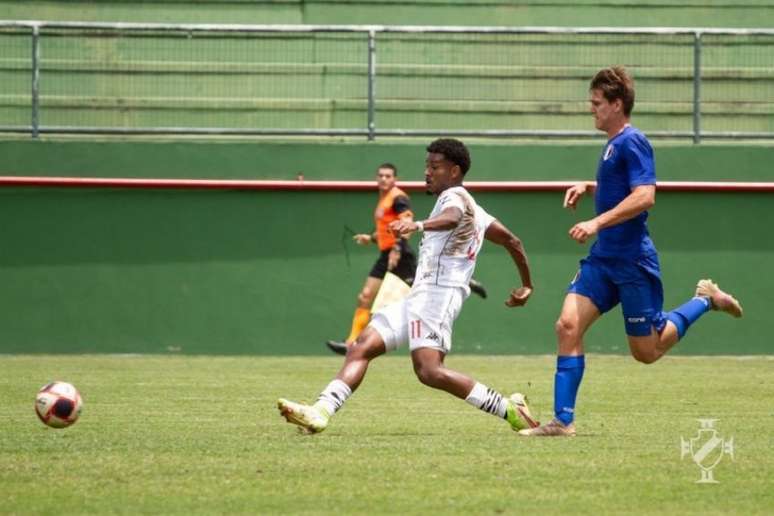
<point x="175" y="435"/>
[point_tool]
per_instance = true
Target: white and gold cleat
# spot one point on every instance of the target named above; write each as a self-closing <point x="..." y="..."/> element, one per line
<point x="309" y="419"/>
<point x="720" y="300"/>
<point x="554" y="428"/>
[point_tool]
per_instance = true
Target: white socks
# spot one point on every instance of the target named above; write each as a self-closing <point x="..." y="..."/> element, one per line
<point x="488" y="400"/>
<point x="333" y="397"/>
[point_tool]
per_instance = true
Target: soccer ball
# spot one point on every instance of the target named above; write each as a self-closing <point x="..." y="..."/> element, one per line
<point x="58" y="404"/>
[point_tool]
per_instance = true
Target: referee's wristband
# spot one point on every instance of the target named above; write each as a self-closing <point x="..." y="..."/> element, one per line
<point x="420" y="225"/>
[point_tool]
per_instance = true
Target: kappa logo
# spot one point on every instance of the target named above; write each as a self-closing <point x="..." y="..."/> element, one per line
<point x="433" y="336"/>
<point x="635" y="319"/>
<point x="608" y="152"/>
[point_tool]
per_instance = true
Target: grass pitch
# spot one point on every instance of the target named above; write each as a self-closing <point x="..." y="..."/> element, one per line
<point x="174" y="435"/>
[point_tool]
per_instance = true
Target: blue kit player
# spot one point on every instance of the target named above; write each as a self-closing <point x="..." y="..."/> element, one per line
<point x="622" y="266"/>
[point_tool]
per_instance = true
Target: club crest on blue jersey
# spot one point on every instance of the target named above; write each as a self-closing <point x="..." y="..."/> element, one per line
<point x="608" y="152"/>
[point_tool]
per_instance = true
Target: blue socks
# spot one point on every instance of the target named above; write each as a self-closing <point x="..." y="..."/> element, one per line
<point x="569" y="372"/>
<point x="684" y="316"/>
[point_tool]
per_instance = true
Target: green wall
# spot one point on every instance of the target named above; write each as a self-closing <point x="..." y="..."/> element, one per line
<point x="272" y="272"/>
<point x="342" y="160"/>
<point x="245" y="272"/>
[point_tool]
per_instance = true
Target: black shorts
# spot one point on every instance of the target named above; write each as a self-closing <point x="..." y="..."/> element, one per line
<point x="407" y="265"/>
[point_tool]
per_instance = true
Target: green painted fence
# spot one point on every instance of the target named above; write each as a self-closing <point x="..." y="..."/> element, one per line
<point x="134" y="80"/>
<point x="703" y="13"/>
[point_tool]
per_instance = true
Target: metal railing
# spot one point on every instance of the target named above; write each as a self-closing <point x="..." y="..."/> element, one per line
<point x="421" y="62"/>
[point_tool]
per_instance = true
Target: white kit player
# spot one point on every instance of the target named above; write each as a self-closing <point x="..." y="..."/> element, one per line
<point x="453" y="236"/>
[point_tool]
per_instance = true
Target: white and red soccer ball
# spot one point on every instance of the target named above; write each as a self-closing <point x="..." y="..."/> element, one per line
<point x="58" y="404"/>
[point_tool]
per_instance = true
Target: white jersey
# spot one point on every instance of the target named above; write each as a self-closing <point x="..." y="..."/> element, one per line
<point x="448" y="258"/>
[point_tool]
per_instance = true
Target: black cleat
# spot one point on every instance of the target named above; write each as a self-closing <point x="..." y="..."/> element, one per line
<point x="477" y="288"/>
<point x="337" y="347"/>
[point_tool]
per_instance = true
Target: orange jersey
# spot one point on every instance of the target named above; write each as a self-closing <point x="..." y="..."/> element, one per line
<point x="386" y="212"/>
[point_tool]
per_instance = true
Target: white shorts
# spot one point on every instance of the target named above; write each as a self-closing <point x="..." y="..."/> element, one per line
<point x="423" y="319"/>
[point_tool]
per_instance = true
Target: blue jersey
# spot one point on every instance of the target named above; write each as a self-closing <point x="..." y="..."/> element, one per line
<point x="626" y="162"/>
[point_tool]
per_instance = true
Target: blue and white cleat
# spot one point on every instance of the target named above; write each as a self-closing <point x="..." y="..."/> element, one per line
<point x="309" y="419"/>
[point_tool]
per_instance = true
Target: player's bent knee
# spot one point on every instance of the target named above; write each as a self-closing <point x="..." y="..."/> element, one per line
<point x="645" y="349"/>
<point x="368" y="345"/>
<point x="645" y="356"/>
<point x="566" y="329"/>
<point x="429" y="375"/>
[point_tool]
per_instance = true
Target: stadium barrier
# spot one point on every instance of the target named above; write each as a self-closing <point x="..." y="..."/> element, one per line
<point x="353" y="161"/>
<point x="374" y="80"/>
<point x="352" y="186"/>
<point x="124" y="266"/>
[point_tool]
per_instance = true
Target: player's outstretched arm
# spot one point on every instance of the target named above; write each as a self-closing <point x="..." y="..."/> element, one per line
<point x="497" y="233"/>
<point x="448" y="219"/>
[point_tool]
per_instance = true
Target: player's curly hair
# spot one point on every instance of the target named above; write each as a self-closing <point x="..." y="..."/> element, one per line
<point x="453" y="150"/>
<point x="615" y="83"/>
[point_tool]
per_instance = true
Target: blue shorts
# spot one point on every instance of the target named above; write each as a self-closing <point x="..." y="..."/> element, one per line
<point x="636" y="284"/>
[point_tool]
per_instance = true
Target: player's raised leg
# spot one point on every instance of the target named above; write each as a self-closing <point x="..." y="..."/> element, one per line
<point x="708" y="297"/>
<point x="667" y="330"/>
<point x="431" y="371"/>
<point x="578" y="314"/>
<point x="315" y="418"/>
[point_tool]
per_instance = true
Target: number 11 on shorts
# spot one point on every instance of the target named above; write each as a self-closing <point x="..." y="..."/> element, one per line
<point x="416" y="329"/>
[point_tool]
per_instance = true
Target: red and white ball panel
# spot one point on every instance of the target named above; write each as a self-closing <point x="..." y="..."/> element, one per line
<point x="58" y="404"/>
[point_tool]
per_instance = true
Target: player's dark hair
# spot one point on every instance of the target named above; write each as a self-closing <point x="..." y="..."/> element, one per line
<point x="615" y="83"/>
<point x="453" y="150"/>
<point x="390" y="166"/>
